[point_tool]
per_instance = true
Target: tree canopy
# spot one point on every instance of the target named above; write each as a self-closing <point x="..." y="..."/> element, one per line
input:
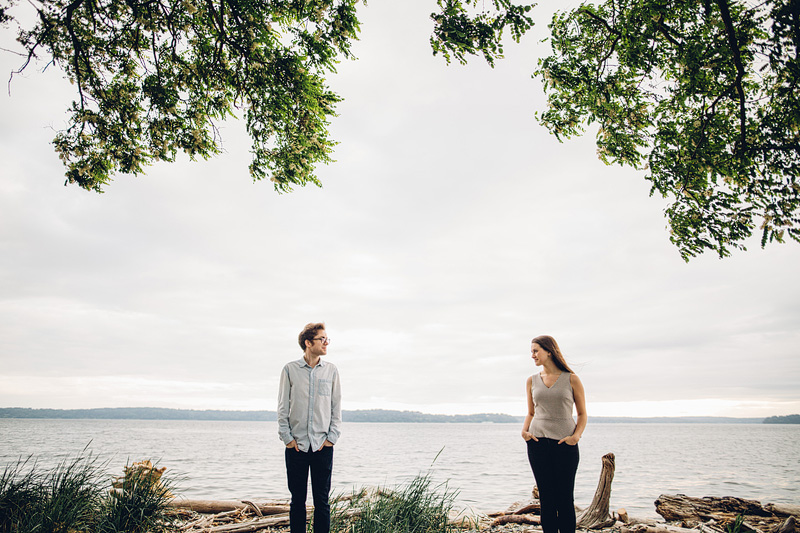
<point x="702" y="96"/>
<point x="153" y="77"/>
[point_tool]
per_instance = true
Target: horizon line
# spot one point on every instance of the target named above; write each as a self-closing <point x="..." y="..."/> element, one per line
<point x="376" y="409"/>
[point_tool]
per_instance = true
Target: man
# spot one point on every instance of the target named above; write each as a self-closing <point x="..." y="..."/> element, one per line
<point x="309" y="422"/>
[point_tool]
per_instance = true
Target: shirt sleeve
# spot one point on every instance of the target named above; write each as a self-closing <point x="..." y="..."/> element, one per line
<point x="335" y="428"/>
<point x="284" y="389"/>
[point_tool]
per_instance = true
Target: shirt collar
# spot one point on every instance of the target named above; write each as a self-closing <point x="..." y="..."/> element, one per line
<point x="302" y="362"/>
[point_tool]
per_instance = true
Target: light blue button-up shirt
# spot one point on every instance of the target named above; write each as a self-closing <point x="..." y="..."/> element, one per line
<point x="309" y="404"/>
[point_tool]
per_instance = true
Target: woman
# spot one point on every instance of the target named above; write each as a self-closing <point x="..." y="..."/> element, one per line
<point x="552" y="434"/>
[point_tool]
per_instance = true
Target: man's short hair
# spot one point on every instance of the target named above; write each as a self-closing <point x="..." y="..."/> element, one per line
<point x="308" y="333"/>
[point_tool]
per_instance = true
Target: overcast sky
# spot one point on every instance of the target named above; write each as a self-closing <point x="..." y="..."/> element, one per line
<point x="450" y="231"/>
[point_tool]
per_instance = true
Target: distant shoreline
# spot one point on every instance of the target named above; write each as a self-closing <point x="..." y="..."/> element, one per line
<point x="369" y="415"/>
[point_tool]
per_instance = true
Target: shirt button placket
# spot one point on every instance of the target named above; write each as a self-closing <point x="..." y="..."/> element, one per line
<point x="311" y="392"/>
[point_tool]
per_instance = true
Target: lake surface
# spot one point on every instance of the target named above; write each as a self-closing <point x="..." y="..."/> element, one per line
<point x="486" y="463"/>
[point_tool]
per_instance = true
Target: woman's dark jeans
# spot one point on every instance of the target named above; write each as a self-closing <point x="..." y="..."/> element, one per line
<point x="297" y="466"/>
<point x="554" y="466"/>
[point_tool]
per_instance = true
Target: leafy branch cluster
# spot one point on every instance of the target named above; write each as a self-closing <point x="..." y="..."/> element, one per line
<point x="154" y="77"/>
<point x="704" y="95"/>
<point x="458" y="34"/>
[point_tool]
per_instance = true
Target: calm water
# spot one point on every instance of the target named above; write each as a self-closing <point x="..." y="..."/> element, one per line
<point x="486" y="463"/>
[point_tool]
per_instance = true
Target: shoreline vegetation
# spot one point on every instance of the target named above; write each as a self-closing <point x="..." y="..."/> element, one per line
<point x="78" y="496"/>
<point x="367" y="416"/>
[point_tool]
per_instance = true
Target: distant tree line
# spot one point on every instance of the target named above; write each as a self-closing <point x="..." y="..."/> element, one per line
<point x="138" y="413"/>
<point x="788" y="419"/>
<point x="157" y="413"/>
<point x="366" y="415"/>
<point x="383" y="415"/>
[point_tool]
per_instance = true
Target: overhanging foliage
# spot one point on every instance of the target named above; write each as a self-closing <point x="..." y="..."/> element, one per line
<point x="153" y="76"/>
<point x="704" y="96"/>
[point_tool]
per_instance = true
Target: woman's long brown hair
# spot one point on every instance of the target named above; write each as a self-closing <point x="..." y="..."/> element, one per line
<point x="549" y="344"/>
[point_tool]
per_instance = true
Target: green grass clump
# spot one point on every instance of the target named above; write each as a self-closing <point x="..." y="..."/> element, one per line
<point x="736" y="526"/>
<point x="69" y="494"/>
<point x="19" y="495"/>
<point x="74" y="497"/>
<point x="418" y="507"/>
<point x="61" y="500"/>
<point x="138" y="505"/>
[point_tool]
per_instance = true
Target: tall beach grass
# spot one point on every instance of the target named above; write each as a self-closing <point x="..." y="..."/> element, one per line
<point x="77" y="496"/>
<point x="417" y="507"/>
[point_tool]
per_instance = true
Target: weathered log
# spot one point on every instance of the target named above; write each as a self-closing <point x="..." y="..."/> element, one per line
<point x="725" y="510"/>
<point x="789" y="526"/>
<point x="221" y="506"/>
<point x="659" y="528"/>
<point x="516" y="519"/>
<point x="206" y="506"/>
<point x="532" y="508"/>
<point x="710" y="527"/>
<point x="682" y="507"/>
<point x="622" y="516"/>
<point x="596" y="516"/>
<point x="252" y="525"/>
<point x="779" y="509"/>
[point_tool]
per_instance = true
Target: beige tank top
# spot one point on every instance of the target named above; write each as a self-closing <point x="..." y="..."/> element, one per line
<point x="552" y="408"/>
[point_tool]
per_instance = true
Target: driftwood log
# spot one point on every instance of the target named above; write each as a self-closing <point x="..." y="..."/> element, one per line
<point x="681" y="507"/>
<point x="783" y="510"/>
<point x="658" y="528"/>
<point x="252" y="525"/>
<point x="517" y="519"/>
<point x="597" y="515"/>
<point x="531" y="508"/>
<point x="789" y="526"/>
<point x="724" y="510"/>
<point x="222" y="506"/>
<point x="238" y="521"/>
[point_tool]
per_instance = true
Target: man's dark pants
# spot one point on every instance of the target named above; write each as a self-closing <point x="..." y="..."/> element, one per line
<point x="298" y="465"/>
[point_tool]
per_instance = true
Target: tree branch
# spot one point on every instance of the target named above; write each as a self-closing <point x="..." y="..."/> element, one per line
<point x="737" y="61"/>
<point x="617" y="36"/>
<point x="76" y="52"/>
<point x="666" y="31"/>
<point x="599" y="19"/>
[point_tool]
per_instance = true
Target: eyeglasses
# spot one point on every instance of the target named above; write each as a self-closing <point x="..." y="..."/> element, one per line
<point x="325" y="340"/>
